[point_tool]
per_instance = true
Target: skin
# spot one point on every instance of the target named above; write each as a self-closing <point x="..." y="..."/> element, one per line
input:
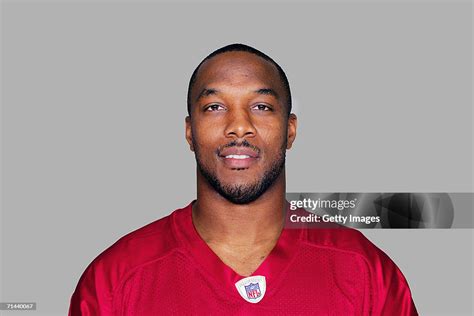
<point x="229" y="105"/>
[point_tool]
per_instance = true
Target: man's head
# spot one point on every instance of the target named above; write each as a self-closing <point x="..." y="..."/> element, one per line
<point x="239" y="122"/>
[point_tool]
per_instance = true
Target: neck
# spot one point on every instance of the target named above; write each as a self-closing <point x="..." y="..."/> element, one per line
<point x="218" y="220"/>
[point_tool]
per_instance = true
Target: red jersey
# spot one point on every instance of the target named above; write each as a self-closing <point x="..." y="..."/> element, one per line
<point x="166" y="268"/>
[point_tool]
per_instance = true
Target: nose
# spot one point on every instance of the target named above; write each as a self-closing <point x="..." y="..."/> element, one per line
<point x="239" y="125"/>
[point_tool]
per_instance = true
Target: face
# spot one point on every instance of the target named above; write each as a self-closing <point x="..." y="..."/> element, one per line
<point x="239" y="128"/>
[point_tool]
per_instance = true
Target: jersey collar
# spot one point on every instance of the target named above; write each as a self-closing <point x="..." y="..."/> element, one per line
<point x="273" y="267"/>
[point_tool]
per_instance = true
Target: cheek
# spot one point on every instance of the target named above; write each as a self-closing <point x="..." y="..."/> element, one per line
<point x="274" y="138"/>
<point x="205" y="142"/>
<point x="206" y="131"/>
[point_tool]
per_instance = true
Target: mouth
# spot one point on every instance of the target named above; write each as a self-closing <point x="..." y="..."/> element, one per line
<point x="238" y="162"/>
<point x="238" y="158"/>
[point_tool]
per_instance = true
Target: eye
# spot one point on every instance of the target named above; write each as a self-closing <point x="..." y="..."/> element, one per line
<point x="262" y="107"/>
<point x="214" y="107"/>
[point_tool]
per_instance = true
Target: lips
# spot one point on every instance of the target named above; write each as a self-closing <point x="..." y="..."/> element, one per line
<point x="238" y="151"/>
<point x="238" y="157"/>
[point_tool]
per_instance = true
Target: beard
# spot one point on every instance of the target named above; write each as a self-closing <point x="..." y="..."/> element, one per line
<point x="243" y="193"/>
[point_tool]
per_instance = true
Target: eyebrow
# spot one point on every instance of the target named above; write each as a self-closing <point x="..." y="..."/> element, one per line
<point x="207" y="92"/>
<point x="268" y="91"/>
<point x="210" y="91"/>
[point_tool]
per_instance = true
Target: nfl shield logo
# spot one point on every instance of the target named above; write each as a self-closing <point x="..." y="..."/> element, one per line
<point x="253" y="291"/>
<point x="252" y="288"/>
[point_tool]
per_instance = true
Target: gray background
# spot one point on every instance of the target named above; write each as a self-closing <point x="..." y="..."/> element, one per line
<point x="93" y="106"/>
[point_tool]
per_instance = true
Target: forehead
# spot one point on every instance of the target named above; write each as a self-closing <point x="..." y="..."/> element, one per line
<point x="238" y="69"/>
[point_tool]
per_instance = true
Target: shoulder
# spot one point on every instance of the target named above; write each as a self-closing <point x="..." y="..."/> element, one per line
<point x="345" y="240"/>
<point x="390" y="293"/>
<point x="105" y="273"/>
<point x="148" y="243"/>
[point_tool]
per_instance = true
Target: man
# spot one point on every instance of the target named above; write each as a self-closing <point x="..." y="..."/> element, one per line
<point x="229" y="250"/>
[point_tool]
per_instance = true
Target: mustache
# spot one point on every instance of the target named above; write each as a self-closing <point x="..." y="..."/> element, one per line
<point x="234" y="143"/>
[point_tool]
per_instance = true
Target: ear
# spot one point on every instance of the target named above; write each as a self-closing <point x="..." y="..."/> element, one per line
<point x="291" y="133"/>
<point x="189" y="133"/>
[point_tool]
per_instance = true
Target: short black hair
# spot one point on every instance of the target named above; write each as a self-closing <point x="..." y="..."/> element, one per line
<point x="237" y="47"/>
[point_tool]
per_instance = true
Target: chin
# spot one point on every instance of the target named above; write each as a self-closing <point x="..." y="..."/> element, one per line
<point x="240" y="178"/>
